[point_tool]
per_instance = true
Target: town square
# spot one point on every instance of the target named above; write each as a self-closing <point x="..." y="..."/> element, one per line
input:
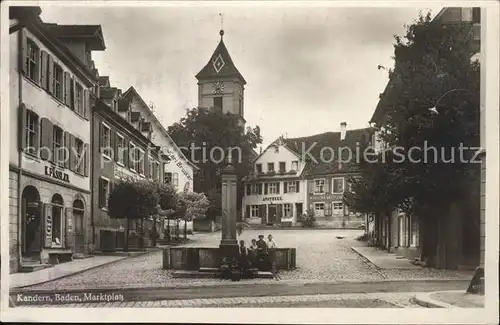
<point x="250" y="157"/>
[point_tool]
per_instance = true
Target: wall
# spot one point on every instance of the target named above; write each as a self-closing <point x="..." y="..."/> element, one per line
<point x="179" y="164"/>
<point x="41" y="102"/>
<point x="13" y="221"/>
<point x="283" y="154"/>
<point x="233" y="90"/>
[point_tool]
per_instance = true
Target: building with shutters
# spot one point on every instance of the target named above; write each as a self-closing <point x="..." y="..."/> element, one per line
<point x="129" y="142"/>
<point x="327" y="178"/>
<point x="52" y="85"/>
<point x="275" y="191"/>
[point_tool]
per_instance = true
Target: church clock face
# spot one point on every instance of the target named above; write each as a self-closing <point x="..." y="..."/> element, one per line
<point x="218" y="87"/>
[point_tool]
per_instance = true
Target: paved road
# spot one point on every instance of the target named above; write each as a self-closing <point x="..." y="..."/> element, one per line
<point x="320" y="256"/>
<point x="238" y="290"/>
<point x="379" y="300"/>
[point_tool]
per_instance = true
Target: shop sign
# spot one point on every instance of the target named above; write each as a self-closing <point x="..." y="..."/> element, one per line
<point x="327" y="197"/>
<point x="57" y="174"/>
<point x="273" y="198"/>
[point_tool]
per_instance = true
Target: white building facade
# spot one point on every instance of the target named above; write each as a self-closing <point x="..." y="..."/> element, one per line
<point x="275" y="193"/>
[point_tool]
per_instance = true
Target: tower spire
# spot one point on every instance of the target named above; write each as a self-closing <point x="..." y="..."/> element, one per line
<point x="221" y="26"/>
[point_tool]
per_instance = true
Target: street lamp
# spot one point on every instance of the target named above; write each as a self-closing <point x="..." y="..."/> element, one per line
<point x="434" y="108"/>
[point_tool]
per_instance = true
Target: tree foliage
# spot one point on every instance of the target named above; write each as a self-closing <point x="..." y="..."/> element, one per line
<point x="132" y="199"/>
<point x="208" y="129"/>
<point x="196" y="205"/>
<point x="432" y="67"/>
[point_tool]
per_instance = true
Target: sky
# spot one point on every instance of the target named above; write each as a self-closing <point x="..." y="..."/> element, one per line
<point x="307" y="68"/>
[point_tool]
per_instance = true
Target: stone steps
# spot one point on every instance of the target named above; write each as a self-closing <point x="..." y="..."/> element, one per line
<point x="208" y="273"/>
<point x="27" y="268"/>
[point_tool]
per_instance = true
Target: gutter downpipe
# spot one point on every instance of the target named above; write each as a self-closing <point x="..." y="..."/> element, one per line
<point x="20" y="151"/>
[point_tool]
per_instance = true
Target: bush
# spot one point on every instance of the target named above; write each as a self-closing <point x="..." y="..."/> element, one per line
<point x="308" y="220"/>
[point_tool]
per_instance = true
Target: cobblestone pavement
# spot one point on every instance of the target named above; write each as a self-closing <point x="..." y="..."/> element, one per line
<point x="320" y="257"/>
<point x="370" y="300"/>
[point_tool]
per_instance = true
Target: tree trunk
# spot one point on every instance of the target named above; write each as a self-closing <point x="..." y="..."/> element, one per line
<point x="185" y="229"/>
<point x="141" y="235"/>
<point x="127" y="226"/>
<point x="177" y="229"/>
<point x="154" y="232"/>
<point x="168" y="230"/>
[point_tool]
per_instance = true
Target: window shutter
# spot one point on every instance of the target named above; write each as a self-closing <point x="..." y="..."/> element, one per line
<point x="114" y="145"/>
<point x="50" y="70"/>
<point x="101" y="187"/>
<point x="297" y="186"/>
<point x="67" y="144"/>
<point x="67" y="88"/>
<point x="146" y="163"/>
<point x="47" y="136"/>
<point x="310" y="184"/>
<point x="44" y="71"/>
<point x="73" y="92"/>
<point x="101" y="137"/>
<point x="285" y="189"/>
<point x="126" y="152"/>
<point x="247" y="215"/>
<point x="327" y="185"/>
<point x="86" y="159"/>
<point x="131" y="155"/>
<point x="23" y="65"/>
<point x="86" y="106"/>
<point x="278" y="188"/>
<point x="259" y="188"/>
<point x="47" y="225"/>
<point x="23" y="116"/>
<point x="249" y="189"/>
<point x="73" y="159"/>
<point x="266" y="186"/>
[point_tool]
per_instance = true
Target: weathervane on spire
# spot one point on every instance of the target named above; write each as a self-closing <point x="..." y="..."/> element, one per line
<point x="221" y="25"/>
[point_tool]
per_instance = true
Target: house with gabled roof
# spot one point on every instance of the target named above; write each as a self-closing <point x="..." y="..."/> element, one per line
<point x="293" y="175"/>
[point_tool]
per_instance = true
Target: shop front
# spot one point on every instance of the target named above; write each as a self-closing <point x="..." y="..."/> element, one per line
<point x="275" y="209"/>
<point x="53" y="222"/>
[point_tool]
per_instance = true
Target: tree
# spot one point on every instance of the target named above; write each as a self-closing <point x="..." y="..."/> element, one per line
<point x="196" y="206"/>
<point x="432" y="68"/>
<point x="168" y="198"/>
<point x="132" y="199"/>
<point x="209" y="131"/>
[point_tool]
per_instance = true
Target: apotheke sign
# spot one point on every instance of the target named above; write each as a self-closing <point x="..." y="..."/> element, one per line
<point x="273" y="198"/>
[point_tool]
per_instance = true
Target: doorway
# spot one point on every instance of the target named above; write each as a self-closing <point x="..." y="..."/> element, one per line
<point x="298" y="208"/>
<point x="32" y="223"/>
<point x="271" y="216"/>
<point x="78" y="218"/>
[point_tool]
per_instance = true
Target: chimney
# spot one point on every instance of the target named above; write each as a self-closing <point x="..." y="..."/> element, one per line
<point x="343" y="127"/>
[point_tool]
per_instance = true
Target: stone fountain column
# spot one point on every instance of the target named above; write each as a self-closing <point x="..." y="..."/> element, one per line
<point x="228" y="244"/>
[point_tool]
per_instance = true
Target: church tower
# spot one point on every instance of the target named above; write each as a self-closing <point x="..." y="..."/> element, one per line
<point x="220" y="85"/>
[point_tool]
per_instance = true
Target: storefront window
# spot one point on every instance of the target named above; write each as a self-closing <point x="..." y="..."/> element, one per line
<point x="319" y="209"/>
<point x="287" y="210"/>
<point x="338" y="208"/>
<point x="57" y="220"/>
